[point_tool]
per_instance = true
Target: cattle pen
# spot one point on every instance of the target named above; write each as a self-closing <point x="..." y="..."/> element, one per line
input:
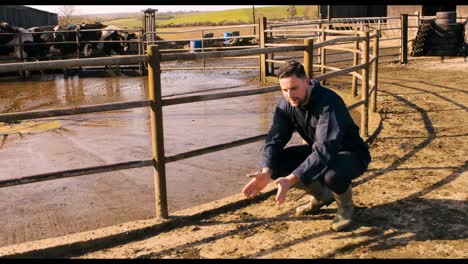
<point x="396" y="34"/>
<point x="368" y="93"/>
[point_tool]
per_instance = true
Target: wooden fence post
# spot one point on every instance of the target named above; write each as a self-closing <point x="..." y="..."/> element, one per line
<point x="323" y="58"/>
<point x="77" y="32"/>
<point x="202" y="46"/>
<point x="20" y="39"/>
<point x="262" y="38"/>
<point x="141" y="66"/>
<point x="272" y="56"/>
<point x="354" y="89"/>
<point x="364" y="129"/>
<point x="375" y="72"/>
<point x="308" y="57"/>
<point x="404" y="39"/>
<point x="157" y="135"/>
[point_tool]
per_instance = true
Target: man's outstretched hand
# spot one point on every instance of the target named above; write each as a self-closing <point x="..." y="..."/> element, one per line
<point x="257" y="183"/>
<point x="283" y="188"/>
<point x="284" y="183"/>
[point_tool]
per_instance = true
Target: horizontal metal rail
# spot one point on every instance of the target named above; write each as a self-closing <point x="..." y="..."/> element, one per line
<point x="217" y="54"/>
<point x="104" y="29"/>
<point x="337" y="72"/>
<point x="204" y="39"/>
<point x="388" y="61"/>
<point x="389" y="55"/>
<point x="76" y="172"/>
<point x="202" y="151"/>
<point x="391" y="47"/>
<point x="208" y="97"/>
<point x="385" y="39"/>
<point x="298" y="37"/>
<point x="275" y="61"/>
<point x="10" y="117"/>
<point x="58" y="64"/>
<point x="208" y="68"/>
<point x="163" y="51"/>
<point x="204" y="29"/>
<point x="336" y="41"/>
<point x="343" y="60"/>
<point x="350" y="50"/>
<point x="337" y="53"/>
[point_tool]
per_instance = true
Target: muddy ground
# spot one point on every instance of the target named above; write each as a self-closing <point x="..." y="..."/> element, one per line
<point x="411" y="203"/>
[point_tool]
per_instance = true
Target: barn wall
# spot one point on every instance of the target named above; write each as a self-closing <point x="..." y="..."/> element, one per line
<point x="462" y="11"/>
<point x="26" y="17"/>
<point x="396" y="10"/>
<point x="342" y="11"/>
<point x="348" y="11"/>
<point x="377" y="11"/>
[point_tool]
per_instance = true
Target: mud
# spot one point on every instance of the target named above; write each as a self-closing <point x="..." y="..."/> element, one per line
<point x="76" y="204"/>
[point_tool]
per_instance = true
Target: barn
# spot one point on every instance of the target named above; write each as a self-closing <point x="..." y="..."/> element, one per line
<point x="26" y="17"/>
<point x="343" y="11"/>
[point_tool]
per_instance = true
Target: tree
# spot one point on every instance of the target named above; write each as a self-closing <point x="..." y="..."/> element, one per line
<point x="65" y="14"/>
<point x="292" y="11"/>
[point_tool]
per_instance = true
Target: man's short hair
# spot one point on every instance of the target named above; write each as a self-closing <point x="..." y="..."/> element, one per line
<point x="292" y="68"/>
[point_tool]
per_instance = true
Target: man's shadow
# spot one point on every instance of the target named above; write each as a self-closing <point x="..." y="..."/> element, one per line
<point x="424" y="219"/>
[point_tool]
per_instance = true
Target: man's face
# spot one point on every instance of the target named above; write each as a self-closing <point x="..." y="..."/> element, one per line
<point x="294" y="89"/>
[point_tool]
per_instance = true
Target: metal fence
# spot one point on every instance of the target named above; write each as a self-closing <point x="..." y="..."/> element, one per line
<point x="396" y="34"/>
<point x="392" y="31"/>
<point x="155" y="102"/>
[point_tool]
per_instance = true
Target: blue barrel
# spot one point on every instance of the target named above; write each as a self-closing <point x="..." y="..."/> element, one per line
<point x="195" y="45"/>
<point x="226" y="37"/>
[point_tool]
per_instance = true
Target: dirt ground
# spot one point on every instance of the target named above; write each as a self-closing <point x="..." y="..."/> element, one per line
<point x="411" y="203"/>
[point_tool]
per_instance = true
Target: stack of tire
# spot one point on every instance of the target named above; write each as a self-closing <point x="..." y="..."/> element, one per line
<point x="421" y="43"/>
<point x="447" y="36"/>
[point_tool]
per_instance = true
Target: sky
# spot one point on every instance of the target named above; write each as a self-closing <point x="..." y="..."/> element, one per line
<point x="102" y="9"/>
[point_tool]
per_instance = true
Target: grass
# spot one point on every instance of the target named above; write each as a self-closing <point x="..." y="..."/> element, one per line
<point x="216" y="18"/>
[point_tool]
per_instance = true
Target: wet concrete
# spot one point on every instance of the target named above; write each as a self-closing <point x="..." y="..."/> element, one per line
<point x="71" y="205"/>
<point x="64" y="206"/>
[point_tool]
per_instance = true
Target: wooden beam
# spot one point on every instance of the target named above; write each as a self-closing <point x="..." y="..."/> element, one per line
<point x="72" y="110"/>
<point x="157" y="134"/>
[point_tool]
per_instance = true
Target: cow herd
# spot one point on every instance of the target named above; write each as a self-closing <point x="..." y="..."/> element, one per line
<point x="62" y="41"/>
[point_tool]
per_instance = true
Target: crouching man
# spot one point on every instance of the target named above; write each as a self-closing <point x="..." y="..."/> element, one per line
<point x="333" y="156"/>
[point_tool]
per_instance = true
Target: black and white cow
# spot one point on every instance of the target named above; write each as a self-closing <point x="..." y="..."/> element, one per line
<point x="7" y="33"/>
<point x="130" y="47"/>
<point x="116" y="46"/>
<point x="11" y="42"/>
<point x="87" y="32"/>
<point x="43" y="38"/>
<point x="60" y="35"/>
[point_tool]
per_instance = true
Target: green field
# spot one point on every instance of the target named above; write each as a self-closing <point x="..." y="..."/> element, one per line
<point x="216" y="18"/>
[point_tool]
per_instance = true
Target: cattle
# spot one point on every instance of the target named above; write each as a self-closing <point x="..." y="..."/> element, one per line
<point x="130" y="47"/>
<point x="64" y="33"/>
<point x="5" y="30"/>
<point x="11" y="42"/>
<point x="113" y="43"/>
<point x="67" y="33"/>
<point x="43" y="38"/>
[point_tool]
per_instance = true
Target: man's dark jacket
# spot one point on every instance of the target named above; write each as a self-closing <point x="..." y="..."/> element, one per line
<point x="324" y="123"/>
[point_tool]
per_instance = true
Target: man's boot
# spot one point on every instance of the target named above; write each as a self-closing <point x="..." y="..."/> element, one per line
<point x="344" y="214"/>
<point x="320" y="196"/>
